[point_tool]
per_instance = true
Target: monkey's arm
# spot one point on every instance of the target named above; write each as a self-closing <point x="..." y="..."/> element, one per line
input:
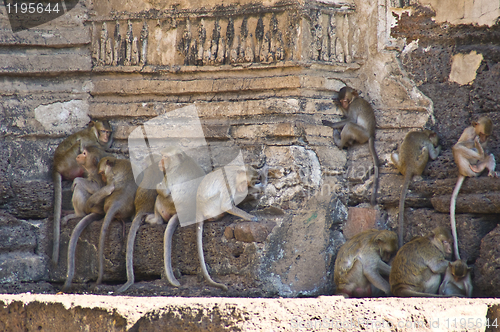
<point x="434" y="152"/>
<point x="384" y="268"/>
<point x="99" y="196"/>
<point x="371" y="273"/>
<point x="335" y="125"/>
<point x="438" y="266"/>
<point x="162" y="189"/>
<point x="89" y="186"/>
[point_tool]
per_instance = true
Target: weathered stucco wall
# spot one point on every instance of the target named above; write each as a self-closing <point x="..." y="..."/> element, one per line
<point x="262" y="76"/>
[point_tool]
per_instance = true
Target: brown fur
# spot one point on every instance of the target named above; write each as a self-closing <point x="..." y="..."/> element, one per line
<point x="362" y="262"/>
<point x="411" y="160"/>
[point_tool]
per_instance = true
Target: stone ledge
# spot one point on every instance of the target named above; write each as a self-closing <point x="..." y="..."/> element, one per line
<point x="118" y="313"/>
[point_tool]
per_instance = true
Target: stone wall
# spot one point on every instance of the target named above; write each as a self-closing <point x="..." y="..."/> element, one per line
<point x="261" y="77"/>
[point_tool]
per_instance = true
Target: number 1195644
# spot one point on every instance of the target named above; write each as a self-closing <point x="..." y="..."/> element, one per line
<point x="32" y="8"/>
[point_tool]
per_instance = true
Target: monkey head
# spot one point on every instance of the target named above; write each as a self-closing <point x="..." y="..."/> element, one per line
<point x="92" y="152"/>
<point x="441" y="239"/>
<point x="459" y="269"/>
<point x="103" y="131"/>
<point x="387" y="243"/>
<point x="104" y="169"/>
<point x="483" y="128"/>
<point x="433" y="137"/>
<point x="171" y="158"/>
<point x="346" y="96"/>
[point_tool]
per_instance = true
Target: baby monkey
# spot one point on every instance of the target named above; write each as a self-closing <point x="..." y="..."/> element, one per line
<point x="358" y="127"/>
<point x="411" y="160"/>
<point x="471" y="160"/>
<point x="457" y="280"/>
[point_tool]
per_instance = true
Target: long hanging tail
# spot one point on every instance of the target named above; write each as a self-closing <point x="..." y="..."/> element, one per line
<point x="402" y="199"/>
<point x="77" y="231"/>
<point x="201" y="255"/>
<point x="136" y="223"/>
<point x="57" y="216"/>
<point x="453" y="203"/>
<point x="376" y="163"/>
<point x="167" y="250"/>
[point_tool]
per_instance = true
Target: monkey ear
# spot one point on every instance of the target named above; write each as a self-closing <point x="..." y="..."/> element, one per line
<point x="110" y="162"/>
<point x="355" y="93"/>
<point x="475" y="123"/>
<point x="95" y="161"/>
<point x="92" y="123"/>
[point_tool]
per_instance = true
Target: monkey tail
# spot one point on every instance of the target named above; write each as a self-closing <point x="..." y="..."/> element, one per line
<point x="199" y="240"/>
<point x="57" y="216"/>
<point x="402" y="199"/>
<point x="453" y="203"/>
<point x="167" y="250"/>
<point x="110" y="214"/>
<point x="77" y="231"/>
<point x="136" y="223"/>
<point x="376" y="163"/>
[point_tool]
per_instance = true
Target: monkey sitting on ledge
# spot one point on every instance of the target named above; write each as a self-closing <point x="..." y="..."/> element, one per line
<point x="362" y="262"/>
<point x="416" y="270"/>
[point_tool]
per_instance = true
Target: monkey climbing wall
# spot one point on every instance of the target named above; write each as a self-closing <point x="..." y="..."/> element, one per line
<point x="261" y="76"/>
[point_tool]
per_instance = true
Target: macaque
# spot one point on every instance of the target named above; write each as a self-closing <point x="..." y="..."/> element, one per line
<point x="144" y="205"/>
<point x="66" y="167"/>
<point x="457" y="280"/>
<point x="471" y="160"/>
<point x="181" y="176"/>
<point x="83" y="188"/>
<point x="361" y="263"/>
<point x="118" y="194"/>
<point x="411" y="160"/>
<point x="416" y="270"/>
<point x="359" y="127"/>
<point x="217" y="193"/>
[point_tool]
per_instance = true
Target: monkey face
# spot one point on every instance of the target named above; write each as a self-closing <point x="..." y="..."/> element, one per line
<point x="104" y="135"/>
<point x="80" y="159"/>
<point x="482" y="137"/>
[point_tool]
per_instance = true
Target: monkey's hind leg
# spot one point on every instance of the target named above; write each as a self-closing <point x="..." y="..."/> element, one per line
<point x="77" y="231"/>
<point x="167" y="250"/>
<point x="136" y="223"/>
<point x="489" y="163"/>
<point x="201" y="255"/>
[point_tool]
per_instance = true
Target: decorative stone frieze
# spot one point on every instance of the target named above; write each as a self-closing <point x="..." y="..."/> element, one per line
<point x="315" y="31"/>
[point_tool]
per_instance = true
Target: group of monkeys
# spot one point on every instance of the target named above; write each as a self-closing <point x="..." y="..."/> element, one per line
<point x="416" y="270"/>
<point x="109" y="189"/>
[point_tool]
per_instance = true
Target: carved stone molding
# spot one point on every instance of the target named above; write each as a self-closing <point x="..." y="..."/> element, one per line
<point x="315" y="32"/>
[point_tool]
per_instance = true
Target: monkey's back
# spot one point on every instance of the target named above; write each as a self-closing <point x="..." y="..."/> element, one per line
<point x="362" y="113"/>
<point x="348" y="257"/>
<point x="125" y="190"/>
<point x="409" y="267"/>
<point x="411" y="153"/>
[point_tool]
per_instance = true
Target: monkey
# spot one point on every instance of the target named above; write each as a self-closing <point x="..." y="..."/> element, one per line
<point x="457" y="280"/>
<point x="471" y="160"/>
<point x="176" y="193"/>
<point x="83" y="188"/>
<point x="144" y="205"/>
<point x="358" y="127"/>
<point x="416" y="270"/>
<point x="414" y="152"/>
<point x="217" y="193"/>
<point x="118" y="194"/>
<point x="65" y="166"/>
<point x="177" y="167"/>
<point x="362" y="262"/>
